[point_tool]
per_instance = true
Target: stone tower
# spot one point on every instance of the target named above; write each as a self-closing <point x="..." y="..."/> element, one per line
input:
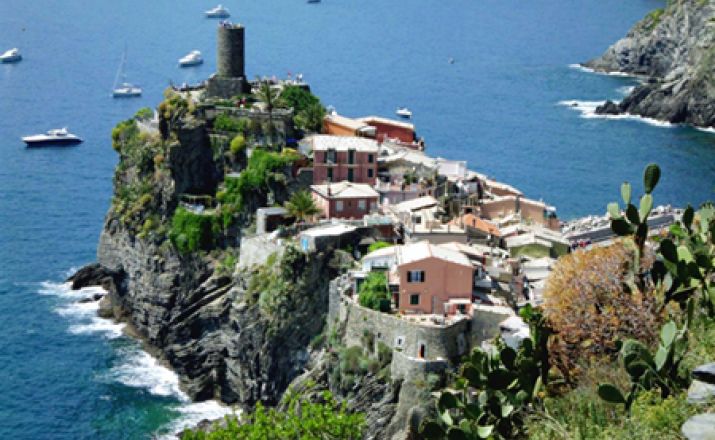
<point x="230" y="77"/>
<point x="230" y="51"/>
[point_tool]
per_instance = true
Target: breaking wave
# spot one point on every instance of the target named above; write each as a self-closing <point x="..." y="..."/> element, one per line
<point x="133" y="366"/>
<point x="588" y="111"/>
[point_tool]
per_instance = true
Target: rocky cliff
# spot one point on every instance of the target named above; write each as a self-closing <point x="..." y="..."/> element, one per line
<point x="674" y="48"/>
<point x="240" y="335"/>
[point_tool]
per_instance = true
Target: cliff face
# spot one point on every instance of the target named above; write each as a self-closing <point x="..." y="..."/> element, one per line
<point x="675" y="48"/>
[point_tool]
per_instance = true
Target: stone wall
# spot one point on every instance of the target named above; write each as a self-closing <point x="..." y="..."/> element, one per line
<point x="406" y="367"/>
<point x="256" y="250"/>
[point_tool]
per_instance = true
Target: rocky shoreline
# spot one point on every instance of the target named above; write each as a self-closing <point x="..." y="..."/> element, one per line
<point x="674" y="50"/>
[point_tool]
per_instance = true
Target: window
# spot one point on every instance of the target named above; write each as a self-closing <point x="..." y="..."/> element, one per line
<point x="339" y="206"/>
<point x="351" y="156"/>
<point x="330" y="158"/>
<point x="351" y="176"/>
<point x="416" y="276"/>
<point x="362" y="205"/>
<point x="330" y="174"/>
<point x="415" y="299"/>
<point x="370" y="173"/>
<point x="370" y="158"/>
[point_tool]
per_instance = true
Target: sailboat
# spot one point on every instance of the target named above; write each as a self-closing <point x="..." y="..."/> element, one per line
<point x="124" y="89"/>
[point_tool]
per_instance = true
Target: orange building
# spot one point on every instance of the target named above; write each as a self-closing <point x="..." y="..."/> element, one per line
<point x="433" y="279"/>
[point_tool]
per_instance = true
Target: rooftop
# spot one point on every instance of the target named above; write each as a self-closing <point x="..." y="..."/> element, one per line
<point x="475" y="222"/>
<point x="415" y="204"/>
<point x="369" y="119"/>
<point x="345" y="121"/>
<point x="322" y="142"/>
<point x="412" y="252"/>
<point x="327" y="231"/>
<point x="345" y="190"/>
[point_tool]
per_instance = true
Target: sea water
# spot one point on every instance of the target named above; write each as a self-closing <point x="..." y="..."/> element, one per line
<point x="504" y="105"/>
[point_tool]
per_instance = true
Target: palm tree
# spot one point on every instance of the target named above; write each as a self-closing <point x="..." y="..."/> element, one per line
<point x="301" y="206"/>
<point x="269" y="96"/>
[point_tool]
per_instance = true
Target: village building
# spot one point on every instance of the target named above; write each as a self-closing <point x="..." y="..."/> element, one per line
<point x="389" y="129"/>
<point x="522" y="209"/>
<point x="534" y="241"/>
<point x="345" y="199"/>
<point x="338" y="158"/>
<point x="424" y="219"/>
<point x="478" y="229"/>
<point x="337" y="125"/>
<point x="375" y="127"/>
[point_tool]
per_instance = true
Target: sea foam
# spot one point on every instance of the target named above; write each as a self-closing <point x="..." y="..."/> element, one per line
<point x="598" y="72"/>
<point x="134" y="367"/>
<point x="588" y="111"/>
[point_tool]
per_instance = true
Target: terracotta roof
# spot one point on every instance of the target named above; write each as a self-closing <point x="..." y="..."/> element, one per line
<point x="472" y="221"/>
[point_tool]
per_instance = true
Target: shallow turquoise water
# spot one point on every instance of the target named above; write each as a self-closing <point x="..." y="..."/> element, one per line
<point x="67" y="376"/>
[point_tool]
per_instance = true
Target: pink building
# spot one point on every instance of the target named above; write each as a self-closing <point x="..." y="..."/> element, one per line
<point x="345" y="199"/>
<point x="338" y="158"/>
<point x="434" y="279"/>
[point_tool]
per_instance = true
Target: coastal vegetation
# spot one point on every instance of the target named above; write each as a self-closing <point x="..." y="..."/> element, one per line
<point x="192" y="231"/>
<point x="301" y="419"/>
<point x="261" y="174"/>
<point x="301" y="206"/>
<point x="374" y="293"/>
<point x="308" y="110"/>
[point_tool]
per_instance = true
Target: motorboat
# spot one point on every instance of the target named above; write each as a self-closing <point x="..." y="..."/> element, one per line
<point x="124" y="89"/>
<point x="403" y="112"/>
<point x="57" y="136"/>
<point x="217" y="12"/>
<point x="193" y="58"/>
<point x="313" y="1"/>
<point x="11" y="56"/>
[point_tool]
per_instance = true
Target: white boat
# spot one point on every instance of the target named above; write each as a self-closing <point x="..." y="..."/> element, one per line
<point x="58" y="136"/>
<point x="193" y="58"/>
<point x="124" y="89"/>
<point x="403" y="112"/>
<point x="11" y="56"/>
<point x="217" y="12"/>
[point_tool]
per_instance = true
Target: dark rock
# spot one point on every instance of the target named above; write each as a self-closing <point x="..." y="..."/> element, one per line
<point x="93" y="275"/>
<point x="93" y="298"/>
<point x="705" y="373"/>
<point x="676" y="51"/>
<point x="608" y="108"/>
<point x="700" y="427"/>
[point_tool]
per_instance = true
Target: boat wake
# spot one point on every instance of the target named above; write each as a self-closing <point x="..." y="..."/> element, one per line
<point x="133" y="366"/>
<point x="588" y="111"/>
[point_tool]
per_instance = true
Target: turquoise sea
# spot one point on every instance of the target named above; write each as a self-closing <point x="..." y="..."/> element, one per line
<point x="503" y="105"/>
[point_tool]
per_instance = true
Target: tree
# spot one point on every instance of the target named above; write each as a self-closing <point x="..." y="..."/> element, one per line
<point x="310" y="118"/>
<point x="301" y="206"/>
<point x="373" y="291"/>
<point x="269" y="96"/>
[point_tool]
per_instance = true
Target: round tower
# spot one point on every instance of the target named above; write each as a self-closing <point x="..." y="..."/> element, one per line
<point x="230" y="51"/>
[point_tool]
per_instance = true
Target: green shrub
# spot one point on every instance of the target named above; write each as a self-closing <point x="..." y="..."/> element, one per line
<point x="373" y="290"/>
<point x="378" y="245"/>
<point x="224" y="122"/>
<point x="308" y="110"/>
<point x="303" y="420"/>
<point x="144" y="113"/>
<point x="350" y="360"/>
<point x="238" y="144"/>
<point x="191" y="232"/>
